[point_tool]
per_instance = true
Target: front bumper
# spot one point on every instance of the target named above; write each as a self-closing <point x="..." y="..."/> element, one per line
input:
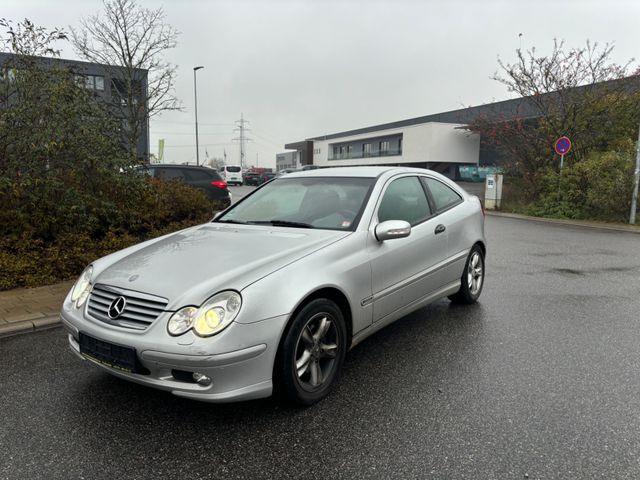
<point x="240" y="364"/>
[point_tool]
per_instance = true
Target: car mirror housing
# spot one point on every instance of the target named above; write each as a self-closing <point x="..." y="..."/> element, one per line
<point x="392" y="229"/>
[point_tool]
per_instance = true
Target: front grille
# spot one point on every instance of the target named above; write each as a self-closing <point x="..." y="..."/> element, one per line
<point x="140" y="311"/>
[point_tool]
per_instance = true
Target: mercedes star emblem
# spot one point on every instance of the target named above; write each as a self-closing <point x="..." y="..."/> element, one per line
<point x="117" y="307"/>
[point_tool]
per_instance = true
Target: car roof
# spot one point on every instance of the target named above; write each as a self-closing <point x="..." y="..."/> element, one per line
<point x="161" y="165"/>
<point x="368" y="171"/>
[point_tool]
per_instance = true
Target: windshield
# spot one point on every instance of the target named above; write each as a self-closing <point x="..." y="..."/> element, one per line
<point x="319" y="202"/>
<point x="233" y="169"/>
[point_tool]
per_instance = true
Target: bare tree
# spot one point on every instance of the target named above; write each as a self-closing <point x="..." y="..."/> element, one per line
<point x="578" y="92"/>
<point x="28" y="39"/>
<point x="132" y="40"/>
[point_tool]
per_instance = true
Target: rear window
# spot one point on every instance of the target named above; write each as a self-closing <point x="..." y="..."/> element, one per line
<point x="233" y="169"/>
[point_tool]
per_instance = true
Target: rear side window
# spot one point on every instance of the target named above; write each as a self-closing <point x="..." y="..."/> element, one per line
<point x="404" y="199"/>
<point x="443" y="196"/>
<point x="200" y="175"/>
<point x="168" y="174"/>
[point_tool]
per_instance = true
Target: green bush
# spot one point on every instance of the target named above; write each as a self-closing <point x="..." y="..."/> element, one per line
<point x="54" y="238"/>
<point x="599" y="188"/>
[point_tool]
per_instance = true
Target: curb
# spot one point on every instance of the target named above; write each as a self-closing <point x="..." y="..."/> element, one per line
<point x="27" y="326"/>
<point x="573" y="223"/>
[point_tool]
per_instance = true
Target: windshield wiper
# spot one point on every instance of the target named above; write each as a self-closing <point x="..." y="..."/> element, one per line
<point x="282" y="223"/>
<point x="241" y="222"/>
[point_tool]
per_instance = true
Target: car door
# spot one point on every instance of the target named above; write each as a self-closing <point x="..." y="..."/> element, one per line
<point x="444" y="201"/>
<point x="405" y="270"/>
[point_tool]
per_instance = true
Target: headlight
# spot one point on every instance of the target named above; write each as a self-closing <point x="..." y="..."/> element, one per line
<point x="82" y="287"/>
<point x="182" y="320"/>
<point x="212" y="317"/>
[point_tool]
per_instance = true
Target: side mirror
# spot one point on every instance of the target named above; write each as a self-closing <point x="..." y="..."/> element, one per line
<point x="392" y="229"/>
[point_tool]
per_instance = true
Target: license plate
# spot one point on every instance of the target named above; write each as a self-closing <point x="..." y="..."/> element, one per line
<point x="115" y="356"/>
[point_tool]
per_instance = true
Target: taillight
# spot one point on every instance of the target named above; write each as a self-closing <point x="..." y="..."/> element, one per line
<point x="219" y="184"/>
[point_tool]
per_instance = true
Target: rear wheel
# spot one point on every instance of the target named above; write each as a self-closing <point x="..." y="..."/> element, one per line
<point x="311" y="354"/>
<point x="472" y="279"/>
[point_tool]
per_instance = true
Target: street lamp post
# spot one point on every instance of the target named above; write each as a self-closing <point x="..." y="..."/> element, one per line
<point x="195" y="93"/>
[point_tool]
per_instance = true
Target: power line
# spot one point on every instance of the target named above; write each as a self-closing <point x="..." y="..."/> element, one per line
<point x="243" y="139"/>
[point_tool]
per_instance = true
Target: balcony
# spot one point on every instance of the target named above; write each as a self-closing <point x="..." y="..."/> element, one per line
<point x="354" y="155"/>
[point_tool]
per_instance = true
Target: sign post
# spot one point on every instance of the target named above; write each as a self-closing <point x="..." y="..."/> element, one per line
<point x="562" y="146"/>
<point x="636" y="181"/>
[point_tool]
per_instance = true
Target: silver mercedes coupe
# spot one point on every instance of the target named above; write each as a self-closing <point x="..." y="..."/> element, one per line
<point x="272" y="293"/>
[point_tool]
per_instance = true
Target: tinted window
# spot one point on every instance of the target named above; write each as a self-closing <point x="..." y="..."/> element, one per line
<point x="199" y="175"/>
<point x="443" y="196"/>
<point x="169" y="174"/>
<point x="404" y="199"/>
<point x="233" y="169"/>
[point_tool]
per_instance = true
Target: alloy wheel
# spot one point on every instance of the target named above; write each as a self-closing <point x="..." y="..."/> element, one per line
<point x="475" y="273"/>
<point x="316" y="351"/>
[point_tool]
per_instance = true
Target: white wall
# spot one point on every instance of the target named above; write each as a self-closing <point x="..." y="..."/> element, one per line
<point x="425" y="142"/>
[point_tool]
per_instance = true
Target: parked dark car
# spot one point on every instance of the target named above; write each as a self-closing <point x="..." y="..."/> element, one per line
<point x="203" y="178"/>
<point x="252" y="178"/>
<point x="265" y="177"/>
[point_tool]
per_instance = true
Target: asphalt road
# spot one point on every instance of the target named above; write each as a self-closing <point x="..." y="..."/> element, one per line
<point x="538" y="380"/>
<point x="237" y="192"/>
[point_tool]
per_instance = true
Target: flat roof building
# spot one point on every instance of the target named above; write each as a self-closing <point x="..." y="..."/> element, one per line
<point x="107" y="85"/>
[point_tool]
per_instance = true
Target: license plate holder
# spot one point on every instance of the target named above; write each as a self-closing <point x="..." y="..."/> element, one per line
<point x="118" y="357"/>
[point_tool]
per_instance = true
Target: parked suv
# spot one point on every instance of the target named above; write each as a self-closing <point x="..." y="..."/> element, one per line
<point x="203" y="178"/>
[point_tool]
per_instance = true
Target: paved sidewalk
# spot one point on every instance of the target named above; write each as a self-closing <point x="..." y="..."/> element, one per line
<point x="29" y="309"/>
<point x="619" y="227"/>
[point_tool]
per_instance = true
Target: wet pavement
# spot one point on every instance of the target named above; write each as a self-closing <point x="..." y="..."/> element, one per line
<point x="538" y="380"/>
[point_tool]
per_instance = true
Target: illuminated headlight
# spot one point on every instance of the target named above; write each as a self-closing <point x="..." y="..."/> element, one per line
<point x="212" y="317"/>
<point x="82" y="287"/>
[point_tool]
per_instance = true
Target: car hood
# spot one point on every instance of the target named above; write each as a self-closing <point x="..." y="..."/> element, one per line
<point x="188" y="266"/>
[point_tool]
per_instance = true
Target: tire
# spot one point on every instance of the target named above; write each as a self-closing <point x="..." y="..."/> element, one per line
<point x="472" y="279"/>
<point x="311" y="353"/>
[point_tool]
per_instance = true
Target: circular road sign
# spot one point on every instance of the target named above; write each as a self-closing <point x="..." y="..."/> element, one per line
<point x="562" y="145"/>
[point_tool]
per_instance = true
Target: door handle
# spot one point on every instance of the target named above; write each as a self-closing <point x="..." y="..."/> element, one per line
<point x="440" y="228"/>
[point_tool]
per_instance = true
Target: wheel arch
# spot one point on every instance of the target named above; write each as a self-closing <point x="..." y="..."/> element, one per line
<point x="330" y="293"/>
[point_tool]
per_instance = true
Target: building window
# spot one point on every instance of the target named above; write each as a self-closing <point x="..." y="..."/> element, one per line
<point x="90" y="82"/>
<point x="384" y="147"/>
<point x="366" y="149"/>
<point x="349" y="151"/>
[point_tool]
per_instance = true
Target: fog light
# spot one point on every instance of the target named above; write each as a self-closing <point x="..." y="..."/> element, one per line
<point x="202" y="379"/>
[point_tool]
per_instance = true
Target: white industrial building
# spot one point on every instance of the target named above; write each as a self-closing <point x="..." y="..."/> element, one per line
<point x="439" y="142"/>
<point x="432" y="145"/>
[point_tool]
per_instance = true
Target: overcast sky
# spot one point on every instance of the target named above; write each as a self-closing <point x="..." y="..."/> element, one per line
<point x="304" y="68"/>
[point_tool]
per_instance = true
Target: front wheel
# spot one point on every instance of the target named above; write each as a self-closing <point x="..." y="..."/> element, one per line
<point x="311" y="354"/>
<point x="472" y="279"/>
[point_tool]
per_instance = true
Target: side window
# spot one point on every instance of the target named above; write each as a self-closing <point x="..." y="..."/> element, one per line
<point x="196" y="175"/>
<point x="443" y="196"/>
<point x="169" y="174"/>
<point x="404" y="199"/>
